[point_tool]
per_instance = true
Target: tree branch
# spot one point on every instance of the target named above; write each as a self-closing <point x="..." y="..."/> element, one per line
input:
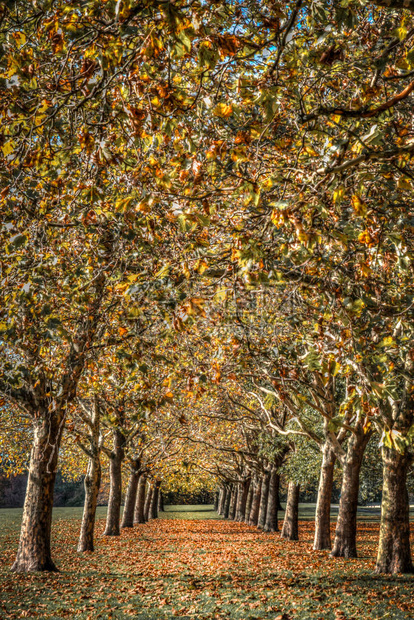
<point x="371" y="156"/>
<point x="395" y="4"/>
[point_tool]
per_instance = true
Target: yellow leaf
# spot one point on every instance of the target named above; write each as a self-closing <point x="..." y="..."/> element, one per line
<point x="404" y="183"/>
<point x="358" y="205"/>
<point x="7" y="148"/>
<point x="143" y="207"/>
<point x="223" y="109"/>
<point x="122" y="203"/>
<point x="220" y="295"/>
<point x="20" y="38"/>
<point x="311" y="151"/>
<point x="338" y="194"/>
<point x="365" y="238"/>
<point x="365" y="270"/>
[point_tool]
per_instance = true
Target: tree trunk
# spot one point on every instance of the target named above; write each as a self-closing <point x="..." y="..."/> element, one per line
<point x="271" y="523"/>
<point x="92" y="484"/>
<point x="290" y="529"/>
<point x="131" y="495"/>
<point x="227" y="502"/>
<point x="242" y="499"/>
<point x="346" y="525"/>
<point x="216" y="500"/>
<point x="153" y="511"/>
<point x="323" y="506"/>
<point x="115" y="489"/>
<point x="233" y="502"/>
<point x="279" y="505"/>
<point x="394" y="554"/>
<point x="254" y="511"/>
<point x="92" y="480"/>
<point x="160" y="501"/>
<point x="34" y="553"/>
<point x="263" y="501"/>
<point x="249" y="500"/>
<point x="140" y="501"/>
<point x="148" y="498"/>
<point x="221" y="500"/>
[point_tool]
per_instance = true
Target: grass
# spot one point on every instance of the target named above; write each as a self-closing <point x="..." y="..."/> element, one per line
<point x="191" y="564"/>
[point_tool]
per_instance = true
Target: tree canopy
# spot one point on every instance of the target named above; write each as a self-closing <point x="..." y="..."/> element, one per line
<point x="207" y="249"/>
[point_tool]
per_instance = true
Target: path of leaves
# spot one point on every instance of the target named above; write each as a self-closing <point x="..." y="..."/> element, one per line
<point x="205" y="570"/>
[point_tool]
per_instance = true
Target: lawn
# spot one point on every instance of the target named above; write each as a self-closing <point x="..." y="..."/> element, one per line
<point x="189" y="564"/>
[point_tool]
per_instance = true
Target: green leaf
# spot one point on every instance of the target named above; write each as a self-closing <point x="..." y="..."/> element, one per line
<point x="18" y="241"/>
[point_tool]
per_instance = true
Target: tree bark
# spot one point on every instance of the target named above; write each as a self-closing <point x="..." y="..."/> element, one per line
<point x="346" y="525"/>
<point x="254" y="511"/>
<point x="148" y="497"/>
<point x="92" y="485"/>
<point x="216" y="500"/>
<point x="222" y="495"/>
<point x="261" y="522"/>
<point x="131" y="494"/>
<point x="271" y="522"/>
<point x="115" y="489"/>
<point x="34" y="553"/>
<point x="394" y="554"/>
<point x="290" y="529"/>
<point x="92" y="480"/>
<point x="160" y="501"/>
<point x="249" y="500"/>
<point x="233" y="501"/>
<point x="323" y="506"/>
<point x="139" y="516"/>
<point x="241" y="499"/>
<point x="227" y="502"/>
<point x="153" y="511"/>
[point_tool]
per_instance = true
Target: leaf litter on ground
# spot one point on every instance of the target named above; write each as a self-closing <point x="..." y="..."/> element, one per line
<point x="204" y="569"/>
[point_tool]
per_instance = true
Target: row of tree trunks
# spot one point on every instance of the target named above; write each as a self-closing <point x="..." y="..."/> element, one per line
<point x="394" y="554"/>
<point x="258" y="503"/>
<point x="255" y="500"/>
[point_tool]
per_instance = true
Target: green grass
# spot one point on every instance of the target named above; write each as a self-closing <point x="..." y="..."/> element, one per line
<point x="189" y="512"/>
<point x="12" y="516"/>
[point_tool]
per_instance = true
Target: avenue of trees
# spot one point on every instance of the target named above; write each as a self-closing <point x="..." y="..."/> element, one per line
<point x="207" y="239"/>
